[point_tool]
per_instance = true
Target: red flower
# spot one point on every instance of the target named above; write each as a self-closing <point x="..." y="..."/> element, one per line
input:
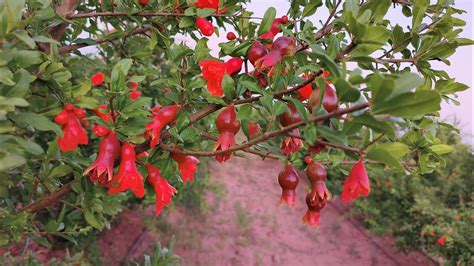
<point x="134" y="85"/>
<point x="305" y="92"/>
<point x="213" y="72"/>
<point x="442" y="240"/>
<point x="213" y="4"/>
<point x="128" y="176"/>
<point x="316" y="148"/>
<point x="134" y="95"/>
<point x="97" y="79"/>
<point x="104" y="115"/>
<point x="204" y="26"/>
<point x="187" y="166"/>
<point x="101" y="170"/>
<point x="317" y="176"/>
<point x="162" y="118"/>
<point x="163" y="190"/>
<point x="228" y="126"/>
<point x="288" y="180"/>
<point x="312" y="215"/>
<point x="100" y="131"/>
<point x="356" y="183"/>
<point x="73" y="132"/>
<point x="254" y="129"/>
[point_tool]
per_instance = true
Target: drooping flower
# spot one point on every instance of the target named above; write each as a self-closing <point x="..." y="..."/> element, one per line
<point x="357" y="183"/>
<point x="187" y="165"/>
<point x="213" y="72"/>
<point x="163" y="190"/>
<point x="228" y="126"/>
<point x="100" y="131"/>
<point x="73" y="132"/>
<point x="162" y="118"/>
<point x="288" y="180"/>
<point x="128" y="176"/>
<point x="101" y="170"/>
<point x="97" y="79"/>
<point x="312" y="216"/>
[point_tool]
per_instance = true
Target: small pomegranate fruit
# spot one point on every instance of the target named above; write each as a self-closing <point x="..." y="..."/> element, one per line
<point x="284" y="19"/>
<point x="312" y="216"/>
<point x="256" y="51"/>
<point x="288" y="180"/>
<point x="228" y="126"/>
<point x="290" y="144"/>
<point x="143" y="2"/>
<point x="206" y="27"/>
<point x="286" y="45"/>
<point x="330" y="100"/>
<point x="317" y="175"/>
<point x="231" y="36"/>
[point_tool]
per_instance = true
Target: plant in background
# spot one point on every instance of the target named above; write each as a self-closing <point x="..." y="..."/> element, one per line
<point x="375" y="100"/>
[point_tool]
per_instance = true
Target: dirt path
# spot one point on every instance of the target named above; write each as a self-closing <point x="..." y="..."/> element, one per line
<point x="244" y="225"/>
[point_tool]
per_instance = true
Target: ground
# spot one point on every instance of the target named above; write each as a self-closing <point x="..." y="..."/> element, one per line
<point x="244" y="225"/>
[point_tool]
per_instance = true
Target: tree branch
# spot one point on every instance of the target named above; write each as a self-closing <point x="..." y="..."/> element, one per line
<point x="145" y="14"/>
<point x="266" y="136"/>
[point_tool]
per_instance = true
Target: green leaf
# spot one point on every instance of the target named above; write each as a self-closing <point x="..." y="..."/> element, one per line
<point x="385" y="157"/>
<point x="326" y="61"/>
<point x="228" y="86"/>
<point x="37" y="121"/>
<point x="60" y="171"/>
<point x="267" y="21"/>
<point x="345" y="91"/>
<point x="419" y="10"/>
<point x="311" y="7"/>
<point x="406" y="82"/>
<point x="90" y="218"/>
<point x="409" y="104"/>
<point x="332" y="135"/>
<point x="244" y="112"/>
<point x="202" y="49"/>
<point x="186" y="22"/>
<point x="24" y="37"/>
<point x="396" y="149"/>
<point x="369" y="121"/>
<point x="205" y="12"/>
<point x="10" y="160"/>
<point x="441" y="149"/>
<point x="300" y="108"/>
<point x="88" y="102"/>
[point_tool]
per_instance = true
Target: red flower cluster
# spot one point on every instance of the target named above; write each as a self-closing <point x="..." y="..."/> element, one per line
<point x="163" y="190"/>
<point x="213" y="72"/>
<point x="228" y="126"/>
<point x="288" y="180"/>
<point x="357" y="183"/>
<point x="70" y="118"/>
<point x="187" y="166"/>
<point x="161" y="118"/>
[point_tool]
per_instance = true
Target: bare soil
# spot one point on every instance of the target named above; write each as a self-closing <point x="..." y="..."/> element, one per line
<point x="244" y="225"/>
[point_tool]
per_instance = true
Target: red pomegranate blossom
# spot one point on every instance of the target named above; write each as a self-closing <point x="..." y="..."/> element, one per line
<point x="312" y="216"/>
<point x="101" y="170"/>
<point x="204" y="26"/>
<point x="73" y="133"/>
<point x="102" y="113"/>
<point x="163" y="190"/>
<point x="442" y="240"/>
<point x="97" y="79"/>
<point x="254" y="129"/>
<point x="228" y="126"/>
<point x="213" y="4"/>
<point x="357" y="183"/>
<point x="213" y="72"/>
<point x="187" y="166"/>
<point x="288" y="180"/>
<point x="162" y="118"/>
<point x="128" y="176"/>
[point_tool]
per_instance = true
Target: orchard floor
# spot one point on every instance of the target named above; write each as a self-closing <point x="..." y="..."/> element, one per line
<point x="242" y="224"/>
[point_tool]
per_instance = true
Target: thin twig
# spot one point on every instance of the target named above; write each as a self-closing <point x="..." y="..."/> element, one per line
<point x="145" y="14"/>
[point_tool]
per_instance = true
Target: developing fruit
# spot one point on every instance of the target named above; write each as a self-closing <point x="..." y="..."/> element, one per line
<point x="205" y="26"/>
<point x="231" y="36"/>
<point x="288" y="180"/>
<point x="228" y="126"/>
<point x="256" y="51"/>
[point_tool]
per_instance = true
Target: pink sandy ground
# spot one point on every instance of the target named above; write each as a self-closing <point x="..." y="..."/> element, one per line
<point x="243" y="225"/>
